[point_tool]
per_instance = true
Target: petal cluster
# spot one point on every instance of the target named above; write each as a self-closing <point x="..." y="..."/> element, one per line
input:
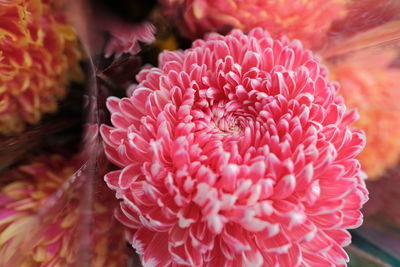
<point x="305" y="20"/>
<point x="38" y="55"/>
<point x="26" y="239"/>
<point x="370" y="84"/>
<point x="236" y="152"/>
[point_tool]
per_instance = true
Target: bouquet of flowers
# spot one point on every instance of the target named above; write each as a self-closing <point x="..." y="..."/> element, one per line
<point x="199" y="133"/>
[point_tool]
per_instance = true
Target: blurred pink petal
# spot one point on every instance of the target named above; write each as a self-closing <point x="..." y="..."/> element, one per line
<point x="125" y="38"/>
<point x="363" y="15"/>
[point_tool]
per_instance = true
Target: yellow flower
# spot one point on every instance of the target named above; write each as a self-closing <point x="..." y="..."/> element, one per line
<point x="38" y="56"/>
<point x="39" y="226"/>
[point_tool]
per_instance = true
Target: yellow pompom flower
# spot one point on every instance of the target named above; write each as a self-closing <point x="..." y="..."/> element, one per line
<point x="40" y="227"/>
<point x="39" y="55"/>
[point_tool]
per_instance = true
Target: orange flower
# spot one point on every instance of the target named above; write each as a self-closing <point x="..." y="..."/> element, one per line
<point x="40" y="228"/>
<point x="306" y="20"/>
<point x="38" y="56"/>
<point x="370" y="84"/>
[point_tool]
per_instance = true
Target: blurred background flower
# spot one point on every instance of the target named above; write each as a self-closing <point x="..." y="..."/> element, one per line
<point x="34" y="233"/>
<point x="39" y="55"/>
<point x="369" y="83"/>
<point x="362" y="15"/>
<point x="308" y="21"/>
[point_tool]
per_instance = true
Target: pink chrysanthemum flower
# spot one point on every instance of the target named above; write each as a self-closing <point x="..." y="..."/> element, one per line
<point x="55" y="240"/>
<point x="236" y="152"/>
<point x="305" y="20"/>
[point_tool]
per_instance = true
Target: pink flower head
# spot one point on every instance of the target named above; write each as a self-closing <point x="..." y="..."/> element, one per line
<point x="308" y="21"/>
<point x="236" y="152"/>
<point x="125" y="38"/>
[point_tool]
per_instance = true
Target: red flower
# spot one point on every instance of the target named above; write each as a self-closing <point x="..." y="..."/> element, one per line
<point x="236" y="152"/>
